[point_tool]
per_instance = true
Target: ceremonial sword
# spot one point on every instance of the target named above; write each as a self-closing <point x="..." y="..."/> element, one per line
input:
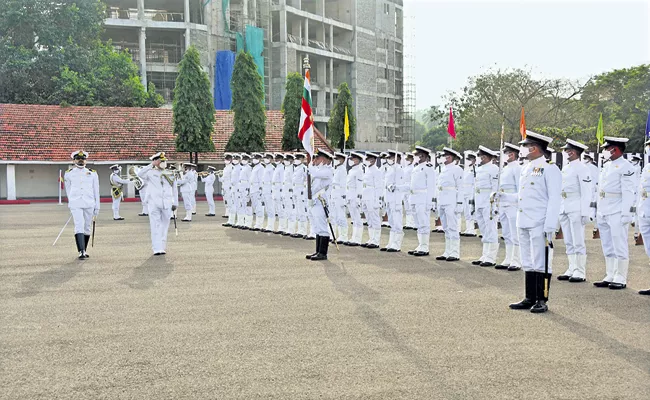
<point x="92" y="241"/>
<point x="66" y="224"/>
<point x="327" y="216"/>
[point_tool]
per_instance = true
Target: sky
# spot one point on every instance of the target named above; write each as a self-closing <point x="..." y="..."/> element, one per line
<point x="574" y="39"/>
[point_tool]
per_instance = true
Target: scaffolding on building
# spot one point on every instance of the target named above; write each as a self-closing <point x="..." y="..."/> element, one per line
<point x="408" y="107"/>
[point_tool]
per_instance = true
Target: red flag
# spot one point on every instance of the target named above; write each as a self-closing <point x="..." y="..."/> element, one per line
<point x="450" y="129"/>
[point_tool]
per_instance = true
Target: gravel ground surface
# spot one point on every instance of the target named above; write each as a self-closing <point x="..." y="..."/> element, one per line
<point x="230" y="314"/>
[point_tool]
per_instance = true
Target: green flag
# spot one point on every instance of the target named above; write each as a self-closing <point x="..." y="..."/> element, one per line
<point x="600" y="135"/>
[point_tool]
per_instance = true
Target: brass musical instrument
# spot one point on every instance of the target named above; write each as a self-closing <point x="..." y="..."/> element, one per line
<point x="203" y="174"/>
<point x="133" y="176"/>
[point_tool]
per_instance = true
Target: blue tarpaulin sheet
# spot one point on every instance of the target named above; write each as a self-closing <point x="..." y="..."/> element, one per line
<point x="222" y="74"/>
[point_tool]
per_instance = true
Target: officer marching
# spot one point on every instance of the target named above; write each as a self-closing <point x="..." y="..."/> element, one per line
<point x="82" y="190"/>
<point x="117" y="190"/>
<point x="507" y="208"/>
<point x="450" y="203"/>
<point x="161" y="199"/>
<point x="575" y="211"/>
<point x="614" y="212"/>
<point x="321" y="174"/>
<point x="209" y="180"/>
<point x="407" y="171"/>
<point x="537" y="219"/>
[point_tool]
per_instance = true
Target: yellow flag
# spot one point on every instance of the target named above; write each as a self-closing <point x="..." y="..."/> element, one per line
<point x="346" y="128"/>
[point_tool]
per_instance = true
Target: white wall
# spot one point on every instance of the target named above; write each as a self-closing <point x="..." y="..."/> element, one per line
<point x="3" y="181"/>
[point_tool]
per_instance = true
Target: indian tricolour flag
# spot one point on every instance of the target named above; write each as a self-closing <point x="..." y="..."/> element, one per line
<point x="306" y="131"/>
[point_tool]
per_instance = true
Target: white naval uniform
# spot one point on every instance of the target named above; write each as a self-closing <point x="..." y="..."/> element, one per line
<point x="643" y="207"/>
<point x="337" y="203"/>
<point x="450" y="206"/>
<point x="615" y="200"/>
<point x="209" y="191"/>
<point x="195" y="185"/>
<point x="287" y="201"/>
<point x="409" y="221"/>
<point x="245" y="208"/>
<point x="540" y="188"/>
<point x="353" y="189"/>
<point x="637" y="178"/>
<point x="162" y="194"/>
<point x="321" y="177"/>
<point x="117" y="192"/>
<point x="594" y="173"/>
<point x="187" y="189"/>
<point x="395" y="187"/>
<point x="507" y="208"/>
<point x="82" y="190"/>
<point x="267" y="196"/>
<point x="235" y="218"/>
<point x="143" y="193"/>
<point x="486" y="183"/>
<point x="468" y="199"/>
<point x="257" y="197"/>
<point x="226" y="189"/>
<point x="276" y="194"/>
<point x="575" y="210"/>
<point x="299" y="184"/>
<point x="371" y="202"/>
<point x="422" y="191"/>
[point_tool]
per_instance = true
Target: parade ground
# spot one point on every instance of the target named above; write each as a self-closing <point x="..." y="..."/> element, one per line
<point x="232" y="314"/>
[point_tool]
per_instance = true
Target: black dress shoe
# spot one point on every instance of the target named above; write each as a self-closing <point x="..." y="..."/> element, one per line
<point x="286" y="234"/>
<point x="226" y="225"/>
<point x="351" y="244"/>
<point x="470" y="234"/>
<point x="525" y="304"/>
<point x="296" y="236"/>
<point x="310" y="256"/>
<point x="539" y="307"/>
<point x="309" y="238"/>
<point x="573" y="279"/>
<point x="372" y="246"/>
<point x="193" y="213"/>
<point x="389" y="250"/>
<point x="411" y="252"/>
<point x="450" y="259"/>
<point x="617" y="286"/>
<point x="563" y="277"/>
<point x="513" y="268"/>
<point x="340" y="242"/>
<point x="441" y="258"/>
<point x="602" y="284"/>
<point x="319" y="257"/>
<point x="157" y="254"/>
<point x="501" y="266"/>
<point x="255" y="229"/>
<point x="143" y="215"/>
<point x="384" y="249"/>
<point x="364" y="245"/>
<point x="118" y="219"/>
<point x="487" y="264"/>
<point x="421" y="253"/>
<point x="224" y="216"/>
<point x="476" y="262"/>
<point x="210" y="215"/>
<point x="265" y="230"/>
<point x="645" y="292"/>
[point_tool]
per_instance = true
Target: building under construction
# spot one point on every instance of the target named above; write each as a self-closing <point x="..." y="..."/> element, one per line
<point x="360" y="42"/>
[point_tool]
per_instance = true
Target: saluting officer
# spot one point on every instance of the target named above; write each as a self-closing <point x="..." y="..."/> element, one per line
<point x="337" y="198"/>
<point x="575" y="210"/>
<point x="117" y="190"/>
<point x="540" y="191"/>
<point x="615" y="200"/>
<point x="507" y="208"/>
<point x="353" y="189"/>
<point x="395" y="186"/>
<point x="450" y="202"/>
<point x="643" y="209"/>
<point x="82" y="190"/>
<point x="209" y="180"/>
<point x="321" y="175"/>
<point x="487" y="176"/>
<point x="371" y="199"/>
<point x="422" y="192"/>
<point x="162" y="200"/>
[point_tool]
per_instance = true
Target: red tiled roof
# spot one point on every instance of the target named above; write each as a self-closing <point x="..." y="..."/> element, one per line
<point x="51" y="133"/>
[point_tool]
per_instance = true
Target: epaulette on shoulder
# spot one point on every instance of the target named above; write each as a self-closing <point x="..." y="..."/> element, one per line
<point x="91" y="170"/>
<point x="549" y="162"/>
<point x="69" y="169"/>
<point x="429" y="164"/>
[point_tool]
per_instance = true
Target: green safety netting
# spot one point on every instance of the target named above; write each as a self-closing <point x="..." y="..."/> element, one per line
<point x="255" y="46"/>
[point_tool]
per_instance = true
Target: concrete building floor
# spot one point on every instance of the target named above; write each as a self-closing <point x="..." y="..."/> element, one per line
<point x="230" y="314"/>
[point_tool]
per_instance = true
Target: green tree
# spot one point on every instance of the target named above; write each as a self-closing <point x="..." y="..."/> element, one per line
<point x="336" y="124"/>
<point x="193" y="107"/>
<point x="291" y="111"/>
<point x="248" y="105"/>
<point x="154" y="100"/>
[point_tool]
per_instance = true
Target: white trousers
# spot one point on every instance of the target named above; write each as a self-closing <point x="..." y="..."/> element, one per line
<point x="280" y="207"/>
<point x="229" y="198"/>
<point x="487" y="226"/>
<point x="159" y="219"/>
<point x="372" y="217"/>
<point x="269" y="205"/>
<point x="83" y="218"/>
<point x="143" y="194"/>
<point x="573" y="232"/>
<point x="422" y="218"/>
<point x="508" y="219"/>
<point x="354" y="208"/>
<point x="613" y="236"/>
<point x="257" y="204"/>
<point x="337" y="211"/>
<point x="300" y="203"/>
<point x="644" y="227"/>
<point x="533" y="248"/>
<point x="319" y="220"/>
<point x="187" y="201"/>
<point x="449" y="220"/>
<point x="116" y="207"/>
<point x="209" y="195"/>
<point x="395" y="217"/>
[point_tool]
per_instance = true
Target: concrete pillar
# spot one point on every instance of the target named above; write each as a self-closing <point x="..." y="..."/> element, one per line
<point x="11" y="182"/>
<point x="321" y="74"/>
<point x="186" y="18"/>
<point x="142" y="39"/>
<point x="331" y="38"/>
<point x="130" y="189"/>
<point x="332" y="83"/>
<point x="244" y="11"/>
<point x="253" y="12"/>
<point x="305" y="32"/>
<point x="283" y="50"/>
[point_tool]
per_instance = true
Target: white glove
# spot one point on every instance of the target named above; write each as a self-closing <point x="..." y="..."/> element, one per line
<point x="585" y="220"/>
<point x="549" y="235"/>
<point x="311" y="203"/>
<point x="96" y="211"/>
<point x="626" y="219"/>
